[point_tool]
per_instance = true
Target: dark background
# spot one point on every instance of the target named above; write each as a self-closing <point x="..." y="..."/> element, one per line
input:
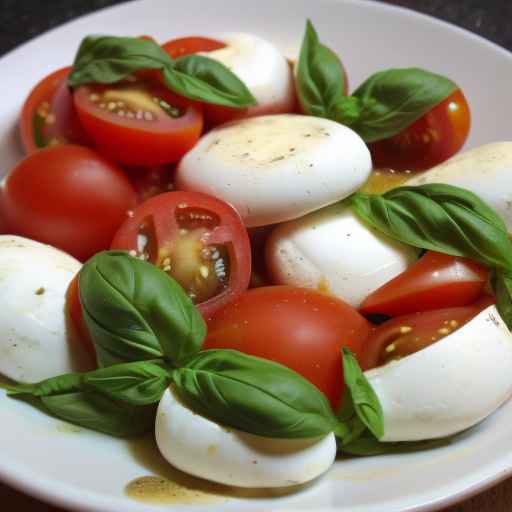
<point x="22" y="19"/>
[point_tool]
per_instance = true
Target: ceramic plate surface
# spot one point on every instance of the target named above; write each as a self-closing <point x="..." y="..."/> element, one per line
<point x="82" y="470"/>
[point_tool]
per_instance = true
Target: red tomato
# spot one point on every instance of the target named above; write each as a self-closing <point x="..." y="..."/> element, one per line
<point x="435" y="281"/>
<point x="151" y="181"/>
<point x="138" y="123"/>
<point x="299" y="328"/>
<point x="189" y="45"/>
<point x="407" y="334"/>
<point x="432" y="139"/>
<point x="198" y="239"/>
<point x="48" y="116"/>
<point x="68" y="196"/>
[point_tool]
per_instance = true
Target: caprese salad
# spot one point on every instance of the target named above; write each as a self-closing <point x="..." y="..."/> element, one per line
<point x="210" y="241"/>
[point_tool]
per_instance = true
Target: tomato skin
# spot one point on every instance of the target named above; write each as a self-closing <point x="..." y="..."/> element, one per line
<point x="435" y="281"/>
<point x="410" y="333"/>
<point x="139" y="142"/>
<point x="297" y="327"/>
<point x="230" y="232"/>
<point x="430" y="140"/>
<point x="50" y="96"/>
<point x="69" y="197"/>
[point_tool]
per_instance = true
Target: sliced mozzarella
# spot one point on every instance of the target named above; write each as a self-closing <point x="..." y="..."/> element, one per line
<point x="276" y="168"/>
<point x="208" y="450"/>
<point x="486" y="171"/>
<point x="448" y="386"/>
<point x="36" y="339"/>
<point x="332" y="250"/>
<point x="263" y="69"/>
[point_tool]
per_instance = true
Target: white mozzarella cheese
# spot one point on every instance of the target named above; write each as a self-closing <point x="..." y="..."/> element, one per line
<point x="36" y="338"/>
<point x="485" y="171"/>
<point x="448" y="386"/>
<point x="203" y="448"/>
<point x="276" y="168"/>
<point x="332" y="250"/>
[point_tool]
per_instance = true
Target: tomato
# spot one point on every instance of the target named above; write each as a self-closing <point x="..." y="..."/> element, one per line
<point x="435" y="281"/>
<point x="138" y="123"/>
<point x="430" y="140"/>
<point x="69" y="197"/>
<point x="189" y="45"/>
<point x="74" y="310"/>
<point x="48" y="116"/>
<point x="259" y="273"/>
<point x="198" y="239"/>
<point x="151" y="181"/>
<point x="297" y="327"/>
<point x="408" y="334"/>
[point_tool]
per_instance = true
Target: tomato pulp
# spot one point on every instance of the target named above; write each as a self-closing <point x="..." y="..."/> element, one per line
<point x="198" y="240"/>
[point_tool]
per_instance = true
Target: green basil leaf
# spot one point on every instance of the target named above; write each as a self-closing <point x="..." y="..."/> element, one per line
<point x="101" y="413"/>
<point x="364" y="399"/>
<point x="135" y="311"/>
<point x="441" y="218"/>
<point x="254" y="395"/>
<point x="502" y="285"/>
<point x="394" y="99"/>
<point x="320" y="78"/>
<point x="348" y="417"/>
<point x="203" y="79"/>
<point x="139" y="383"/>
<point x="109" y="59"/>
<point x="66" y="383"/>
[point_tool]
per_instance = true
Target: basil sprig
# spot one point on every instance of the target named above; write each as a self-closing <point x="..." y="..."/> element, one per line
<point x="134" y="311"/>
<point x="110" y="59"/>
<point x="254" y="395"/>
<point x="446" y="219"/>
<point x="385" y="104"/>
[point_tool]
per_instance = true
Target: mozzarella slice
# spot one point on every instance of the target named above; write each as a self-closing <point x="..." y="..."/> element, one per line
<point x="263" y="69"/>
<point x="276" y="168"/>
<point x="333" y="251"/>
<point x="486" y="171"/>
<point x="36" y="339"/>
<point x="203" y="448"/>
<point x="448" y="386"/>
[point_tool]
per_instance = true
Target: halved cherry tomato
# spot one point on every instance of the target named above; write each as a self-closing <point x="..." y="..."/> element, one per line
<point x="435" y="281"/>
<point x="198" y="239"/>
<point x="138" y="123"/>
<point x="430" y="140"/>
<point x="48" y="116"/>
<point x="407" y="334"/>
<point x="68" y="196"/>
<point x="299" y="328"/>
<point x="151" y="181"/>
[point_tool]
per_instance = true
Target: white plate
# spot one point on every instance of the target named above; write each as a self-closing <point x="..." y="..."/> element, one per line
<point x="87" y="471"/>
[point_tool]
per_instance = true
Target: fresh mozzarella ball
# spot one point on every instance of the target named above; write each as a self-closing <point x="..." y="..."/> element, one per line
<point x="332" y="250"/>
<point x="486" y="171"/>
<point x="36" y="340"/>
<point x="448" y="386"/>
<point x="276" y="168"/>
<point x="263" y="69"/>
<point x="208" y="450"/>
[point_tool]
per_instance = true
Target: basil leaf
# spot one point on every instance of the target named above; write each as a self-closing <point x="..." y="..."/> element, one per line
<point x="394" y="99"/>
<point x="109" y="59"/>
<point x="139" y="383"/>
<point x="320" y="79"/>
<point x="135" y="311"/>
<point x="441" y="218"/>
<point x="203" y="79"/>
<point x="364" y="399"/>
<point x="254" y="395"/>
<point x="348" y="417"/>
<point x="97" y="412"/>
<point x="66" y="383"/>
<point x="502" y="285"/>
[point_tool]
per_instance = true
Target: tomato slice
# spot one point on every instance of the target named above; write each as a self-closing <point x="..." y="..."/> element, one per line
<point x="407" y="334"/>
<point x="67" y="196"/>
<point x="189" y="45"/>
<point x="432" y="139"/>
<point x="138" y="123"/>
<point x="297" y="327"/>
<point x="197" y="239"/>
<point x="435" y="281"/>
<point x="48" y="116"/>
<point x="151" y="181"/>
